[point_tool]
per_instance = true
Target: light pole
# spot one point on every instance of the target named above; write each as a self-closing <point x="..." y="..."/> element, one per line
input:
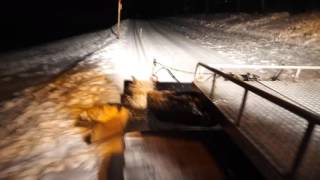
<point x="119" y="18"/>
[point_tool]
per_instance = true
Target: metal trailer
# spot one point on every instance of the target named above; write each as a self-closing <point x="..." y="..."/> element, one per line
<point x="275" y="123"/>
<point x="273" y="127"/>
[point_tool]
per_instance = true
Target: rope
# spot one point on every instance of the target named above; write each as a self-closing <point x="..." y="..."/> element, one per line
<point x="276" y="76"/>
<point x="170" y="73"/>
<point x="174" y="69"/>
<point x="170" y="69"/>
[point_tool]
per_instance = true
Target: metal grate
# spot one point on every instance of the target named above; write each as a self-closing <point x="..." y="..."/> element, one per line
<point x="261" y="112"/>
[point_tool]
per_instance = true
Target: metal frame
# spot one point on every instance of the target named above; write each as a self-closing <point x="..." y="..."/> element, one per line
<point x="297" y="68"/>
<point x="312" y="118"/>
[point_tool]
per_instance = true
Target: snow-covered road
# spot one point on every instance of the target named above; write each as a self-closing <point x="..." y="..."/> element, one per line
<point x="146" y="41"/>
<point x="143" y="42"/>
<point x="183" y="46"/>
<point x="38" y="138"/>
<point x="171" y="48"/>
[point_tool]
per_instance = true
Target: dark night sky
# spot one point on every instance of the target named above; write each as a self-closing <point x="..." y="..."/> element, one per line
<point x="169" y="7"/>
<point x="25" y="23"/>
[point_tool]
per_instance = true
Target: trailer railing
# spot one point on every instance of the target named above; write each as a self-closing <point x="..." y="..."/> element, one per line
<point x="311" y="118"/>
<point x="298" y="69"/>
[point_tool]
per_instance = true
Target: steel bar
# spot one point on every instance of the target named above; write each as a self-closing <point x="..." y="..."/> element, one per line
<point x="243" y="105"/>
<point x="233" y="66"/>
<point x="213" y="85"/>
<point x="302" y="150"/>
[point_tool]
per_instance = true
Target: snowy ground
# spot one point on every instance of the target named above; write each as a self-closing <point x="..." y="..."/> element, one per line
<point x="299" y="29"/>
<point x="32" y="66"/>
<point x="255" y="39"/>
<point x="39" y="140"/>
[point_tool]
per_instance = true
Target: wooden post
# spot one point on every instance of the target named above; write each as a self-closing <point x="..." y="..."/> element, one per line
<point x="119" y="18"/>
